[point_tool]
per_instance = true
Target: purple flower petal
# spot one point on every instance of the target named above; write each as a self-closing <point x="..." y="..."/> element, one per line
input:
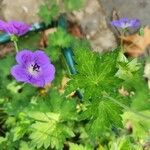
<point x="41" y="58"/>
<point x="135" y="23"/>
<point x="24" y="57"/>
<point x="19" y="73"/>
<point x="48" y="73"/>
<point x="14" y="27"/>
<point x="126" y="23"/>
<point x="39" y="82"/>
<point x="34" y="68"/>
<point x="19" y="28"/>
<point x="116" y="23"/>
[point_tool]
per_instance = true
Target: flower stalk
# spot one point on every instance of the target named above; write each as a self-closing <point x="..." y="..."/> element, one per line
<point x="14" y="39"/>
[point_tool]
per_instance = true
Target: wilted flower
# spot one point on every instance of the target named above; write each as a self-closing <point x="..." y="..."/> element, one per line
<point x="17" y="28"/>
<point x="126" y="23"/>
<point x="33" y="67"/>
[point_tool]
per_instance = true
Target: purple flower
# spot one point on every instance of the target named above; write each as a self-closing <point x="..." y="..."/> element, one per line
<point x="33" y="67"/>
<point x="17" y="28"/>
<point x="126" y="23"/>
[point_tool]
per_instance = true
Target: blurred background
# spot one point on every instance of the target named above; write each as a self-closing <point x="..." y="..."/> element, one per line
<point x="94" y="18"/>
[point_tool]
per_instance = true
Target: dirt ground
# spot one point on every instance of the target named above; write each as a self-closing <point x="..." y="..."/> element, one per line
<point x="25" y="10"/>
<point x="92" y="18"/>
<point x="128" y="8"/>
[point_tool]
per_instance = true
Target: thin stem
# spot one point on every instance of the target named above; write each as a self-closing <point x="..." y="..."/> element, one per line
<point x="121" y="43"/>
<point x="127" y="108"/>
<point x="16" y="46"/>
<point x="14" y="39"/>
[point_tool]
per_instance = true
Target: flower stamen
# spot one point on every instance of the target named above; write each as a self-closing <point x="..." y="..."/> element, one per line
<point x="36" y="67"/>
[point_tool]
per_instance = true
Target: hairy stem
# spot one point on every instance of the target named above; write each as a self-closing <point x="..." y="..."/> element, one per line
<point x="16" y="46"/>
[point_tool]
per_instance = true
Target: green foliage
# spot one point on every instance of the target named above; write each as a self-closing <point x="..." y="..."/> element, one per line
<point x="74" y="5"/>
<point x="47" y="123"/>
<point x="141" y="31"/>
<point x="5" y="77"/>
<point x="50" y="133"/>
<point x="96" y="76"/>
<point x="25" y="146"/>
<point x="6" y="62"/>
<point x="51" y="127"/>
<point x="113" y="113"/>
<point x="96" y="73"/>
<point x="140" y="93"/>
<point x="54" y="52"/>
<point x="78" y="147"/>
<point x="50" y="121"/>
<point x="56" y="41"/>
<point x="49" y="11"/>
<point x="124" y="143"/>
<point x="52" y="8"/>
<point x="60" y="38"/>
<point x="29" y="41"/>
<point x="102" y="115"/>
<point x="126" y="69"/>
<point x="140" y="124"/>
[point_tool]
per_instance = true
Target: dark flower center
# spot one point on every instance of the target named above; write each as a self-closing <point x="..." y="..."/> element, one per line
<point x="36" y="67"/>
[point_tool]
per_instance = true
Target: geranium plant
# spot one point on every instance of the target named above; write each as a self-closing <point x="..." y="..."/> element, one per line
<point x="68" y="97"/>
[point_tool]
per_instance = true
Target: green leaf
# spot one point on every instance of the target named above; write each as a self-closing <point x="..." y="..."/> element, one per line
<point x="124" y="143"/>
<point x="127" y="69"/>
<point x="49" y="11"/>
<point x="6" y="63"/>
<point x="78" y="147"/>
<point x="2" y="139"/>
<point x="60" y="38"/>
<point x="60" y="105"/>
<point x="5" y="77"/>
<point x="141" y="95"/>
<point x="50" y="133"/>
<point x="96" y="73"/>
<point x="20" y="100"/>
<point x="8" y="143"/>
<point x="140" y="125"/>
<point x="41" y="116"/>
<point x="53" y="123"/>
<point x="53" y="52"/>
<point x="103" y="114"/>
<point x="141" y="31"/>
<point x="20" y="130"/>
<point x="13" y="87"/>
<point x="25" y="146"/>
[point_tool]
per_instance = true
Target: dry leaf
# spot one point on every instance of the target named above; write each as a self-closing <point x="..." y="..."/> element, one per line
<point x="63" y="84"/>
<point x="123" y="91"/>
<point x="6" y="48"/>
<point x="75" y="30"/>
<point x="135" y="45"/>
<point x="43" y="91"/>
